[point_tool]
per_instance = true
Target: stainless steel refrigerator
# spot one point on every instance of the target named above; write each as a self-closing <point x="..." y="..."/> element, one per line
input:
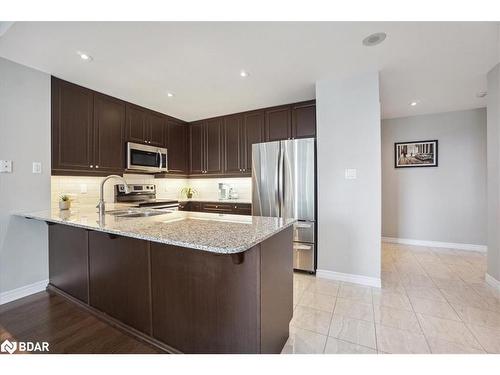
<point x="283" y="185"/>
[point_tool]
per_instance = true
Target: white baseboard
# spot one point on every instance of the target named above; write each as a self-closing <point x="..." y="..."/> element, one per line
<point x="448" y="245"/>
<point x="23" y="291"/>
<point x="349" y="277"/>
<point x="490" y="280"/>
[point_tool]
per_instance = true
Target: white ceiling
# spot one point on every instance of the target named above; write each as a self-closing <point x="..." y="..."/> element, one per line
<point x="442" y="64"/>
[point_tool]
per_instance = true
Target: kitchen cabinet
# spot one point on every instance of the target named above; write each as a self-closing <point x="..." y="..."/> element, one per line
<point x="68" y="265"/>
<point x="72" y="127"/>
<point x="136" y="123"/>
<point x="224" y="207"/>
<point x="177" y="146"/>
<point x="278" y="123"/>
<point x="156" y="126"/>
<point x="206" y="147"/>
<point x="119" y="278"/>
<point x="145" y="126"/>
<point x="304" y="119"/>
<point x="87" y="131"/>
<point x="213" y="146"/>
<point x="241" y="131"/>
<point x="234" y="147"/>
<point x="253" y="132"/>
<point x="197" y="148"/>
<point x="109" y="134"/>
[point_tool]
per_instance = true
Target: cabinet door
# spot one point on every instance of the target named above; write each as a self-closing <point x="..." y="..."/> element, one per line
<point x="72" y="110"/>
<point x="136" y="123"/>
<point x="233" y="144"/>
<point x="68" y="260"/>
<point x="109" y="133"/>
<point x="213" y="154"/>
<point x="177" y="146"/>
<point x="278" y="124"/>
<point x="253" y="132"/>
<point x="196" y="148"/>
<point x="304" y="120"/>
<point x="156" y="124"/>
<point x="119" y="278"/>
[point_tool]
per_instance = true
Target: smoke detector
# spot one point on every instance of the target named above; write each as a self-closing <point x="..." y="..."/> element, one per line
<point x="374" y="39"/>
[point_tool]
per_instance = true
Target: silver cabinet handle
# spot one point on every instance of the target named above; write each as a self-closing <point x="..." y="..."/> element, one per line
<point x="303" y="247"/>
<point x="97" y="166"/>
<point x="91" y="166"/>
<point x="300" y="225"/>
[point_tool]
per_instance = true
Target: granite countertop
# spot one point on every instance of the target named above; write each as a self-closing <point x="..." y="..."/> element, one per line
<point x="216" y="233"/>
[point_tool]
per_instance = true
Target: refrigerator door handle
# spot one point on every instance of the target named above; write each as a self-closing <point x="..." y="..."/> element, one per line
<point x="277" y="185"/>
<point x="281" y="172"/>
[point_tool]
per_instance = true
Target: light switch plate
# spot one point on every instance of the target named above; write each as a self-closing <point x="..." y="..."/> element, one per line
<point x="351" y="173"/>
<point x="5" y="166"/>
<point x="37" y="167"/>
<point x="83" y="188"/>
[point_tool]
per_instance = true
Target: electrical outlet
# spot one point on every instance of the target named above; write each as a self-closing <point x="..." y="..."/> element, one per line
<point x="83" y="188"/>
<point x="351" y="174"/>
<point x="5" y="166"/>
<point x="37" y="167"/>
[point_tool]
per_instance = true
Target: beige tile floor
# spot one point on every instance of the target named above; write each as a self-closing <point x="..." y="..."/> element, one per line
<point x="432" y="300"/>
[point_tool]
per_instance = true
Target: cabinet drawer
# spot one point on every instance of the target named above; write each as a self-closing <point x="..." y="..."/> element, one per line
<point x="217" y="207"/>
<point x="303" y="231"/>
<point x="303" y="256"/>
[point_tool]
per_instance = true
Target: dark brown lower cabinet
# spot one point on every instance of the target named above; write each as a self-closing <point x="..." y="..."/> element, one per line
<point x="183" y="300"/>
<point x="119" y="278"/>
<point x="68" y="260"/>
<point x="223" y="303"/>
<point x="217" y="207"/>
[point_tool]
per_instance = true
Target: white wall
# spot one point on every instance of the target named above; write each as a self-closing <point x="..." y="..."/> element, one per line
<point x="349" y="212"/>
<point x="446" y="203"/>
<point x="493" y="145"/>
<point x="24" y="138"/>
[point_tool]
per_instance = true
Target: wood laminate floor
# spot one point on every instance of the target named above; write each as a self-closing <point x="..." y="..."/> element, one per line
<point x="67" y="328"/>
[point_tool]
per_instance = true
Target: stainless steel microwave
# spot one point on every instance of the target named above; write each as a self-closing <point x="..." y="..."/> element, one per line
<point x="146" y="158"/>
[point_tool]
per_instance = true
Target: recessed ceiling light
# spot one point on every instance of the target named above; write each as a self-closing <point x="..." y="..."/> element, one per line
<point x="414" y="103"/>
<point x="243" y="74"/>
<point x="85" y="56"/>
<point x="374" y="39"/>
<point x="169" y="94"/>
<point x="481" y="94"/>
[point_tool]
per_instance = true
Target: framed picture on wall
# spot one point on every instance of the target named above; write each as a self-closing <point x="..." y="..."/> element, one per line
<point x="416" y="154"/>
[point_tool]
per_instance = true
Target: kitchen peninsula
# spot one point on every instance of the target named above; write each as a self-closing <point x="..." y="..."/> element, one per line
<point x="189" y="282"/>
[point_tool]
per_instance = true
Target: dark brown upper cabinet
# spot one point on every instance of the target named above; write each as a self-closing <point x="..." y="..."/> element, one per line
<point x="72" y="127"/>
<point x="156" y="126"/>
<point x="278" y="123"/>
<point x="177" y="146"/>
<point x="206" y="147"/>
<point x="253" y="132"/>
<point x="136" y="123"/>
<point x="234" y="154"/>
<point x="197" y="148"/>
<point x="145" y="126"/>
<point x="109" y="133"/>
<point x="213" y="146"/>
<point x="304" y="119"/>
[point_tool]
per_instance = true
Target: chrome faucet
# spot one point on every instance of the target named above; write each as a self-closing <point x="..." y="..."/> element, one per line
<point x="101" y="205"/>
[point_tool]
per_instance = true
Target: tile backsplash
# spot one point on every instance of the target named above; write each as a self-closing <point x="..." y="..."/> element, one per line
<point x="85" y="190"/>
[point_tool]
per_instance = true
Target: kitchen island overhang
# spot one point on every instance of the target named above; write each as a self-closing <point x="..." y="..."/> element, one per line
<point x="184" y="282"/>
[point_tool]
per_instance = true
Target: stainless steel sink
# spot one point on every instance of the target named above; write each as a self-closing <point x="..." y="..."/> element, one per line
<point x="137" y="212"/>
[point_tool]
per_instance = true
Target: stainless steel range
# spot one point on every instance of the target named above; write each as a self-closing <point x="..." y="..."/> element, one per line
<point x="143" y="195"/>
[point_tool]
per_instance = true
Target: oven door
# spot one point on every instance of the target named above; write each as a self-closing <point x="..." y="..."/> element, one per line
<point x="146" y="158"/>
